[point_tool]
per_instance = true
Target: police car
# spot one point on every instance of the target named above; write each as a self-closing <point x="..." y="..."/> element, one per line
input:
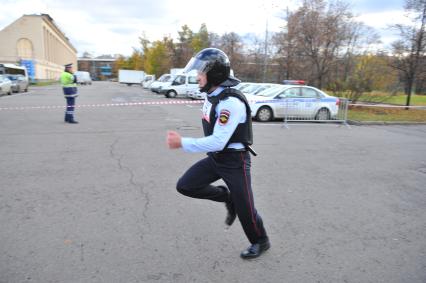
<point x="255" y="88"/>
<point x="293" y="101"/>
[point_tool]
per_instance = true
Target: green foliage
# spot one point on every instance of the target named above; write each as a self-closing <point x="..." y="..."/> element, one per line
<point x="160" y="56"/>
<point x="200" y="40"/>
<point x="157" y="58"/>
<point x="368" y="73"/>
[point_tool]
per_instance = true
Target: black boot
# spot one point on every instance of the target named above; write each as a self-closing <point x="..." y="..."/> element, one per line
<point x="231" y="214"/>
<point x="256" y="249"/>
<point x="230" y="208"/>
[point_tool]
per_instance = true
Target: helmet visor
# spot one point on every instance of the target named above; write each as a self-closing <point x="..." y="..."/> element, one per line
<point x="198" y="65"/>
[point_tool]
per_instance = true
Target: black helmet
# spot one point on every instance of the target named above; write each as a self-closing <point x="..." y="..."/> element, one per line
<point x="215" y="64"/>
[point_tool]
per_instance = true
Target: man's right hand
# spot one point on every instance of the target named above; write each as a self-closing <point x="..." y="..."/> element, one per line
<point x="174" y="140"/>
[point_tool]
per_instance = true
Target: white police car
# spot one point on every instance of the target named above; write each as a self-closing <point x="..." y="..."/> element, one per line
<point x="293" y="101"/>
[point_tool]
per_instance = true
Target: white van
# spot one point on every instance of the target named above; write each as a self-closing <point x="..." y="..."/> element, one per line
<point x="181" y="85"/>
<point x="83" y="78"/>
<point x="149" y="79"/>
<point x="157" y="85"/>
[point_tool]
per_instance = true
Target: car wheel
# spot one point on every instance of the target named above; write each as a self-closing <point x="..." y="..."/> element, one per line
<point x="171" y="94"/>
<point x="264" y="114"/>
<point x="323" y="114"/>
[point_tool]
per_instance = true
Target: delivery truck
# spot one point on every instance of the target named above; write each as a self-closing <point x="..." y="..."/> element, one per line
<point x="131" y="77"/>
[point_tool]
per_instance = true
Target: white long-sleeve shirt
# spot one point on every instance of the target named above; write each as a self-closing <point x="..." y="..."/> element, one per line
<point x="234" y="109"/>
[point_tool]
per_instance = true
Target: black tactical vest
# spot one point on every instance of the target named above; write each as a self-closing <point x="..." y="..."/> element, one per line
<point x="243" y="133"/>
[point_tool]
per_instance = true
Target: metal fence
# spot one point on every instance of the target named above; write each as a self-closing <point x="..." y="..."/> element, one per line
<point x="302" y="111"/>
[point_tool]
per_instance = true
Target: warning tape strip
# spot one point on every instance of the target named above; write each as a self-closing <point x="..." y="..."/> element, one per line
<point x="172" y="102"/>
<point x="386" y="106"/>
<point x="107" y="104"/>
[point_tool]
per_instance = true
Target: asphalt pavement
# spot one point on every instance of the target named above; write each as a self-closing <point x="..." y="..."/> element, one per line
<point x="96" y="201"/>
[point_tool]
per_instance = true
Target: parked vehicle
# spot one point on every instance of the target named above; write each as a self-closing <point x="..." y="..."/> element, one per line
<point x="83" y="78"/>
<point x="293" y="101"/>
<point x="241" y="86"/>
<point x="196" y="94"/>
<point x="130" y="77"/>
<point x="175" y="71"/>
<point x="254" y="88"/>
<point x="162" y="81"/>
<point x="149" y="79"/>
<point x="5" y="85"/>
<point x="181" y="85"/>
<point x="11" y="69"/>
<point x="19" y="83"/>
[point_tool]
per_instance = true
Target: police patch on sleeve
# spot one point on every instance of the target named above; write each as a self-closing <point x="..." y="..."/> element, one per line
<point x="224" y="117"/>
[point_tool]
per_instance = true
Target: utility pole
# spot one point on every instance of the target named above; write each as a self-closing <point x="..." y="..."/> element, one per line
<point x="265" y="61"/>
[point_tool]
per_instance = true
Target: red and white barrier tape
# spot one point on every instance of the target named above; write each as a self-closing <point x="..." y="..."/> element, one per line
<point x="172" y="102"/>
<point x="107" y="104"/>
<point x="386" y="106"/>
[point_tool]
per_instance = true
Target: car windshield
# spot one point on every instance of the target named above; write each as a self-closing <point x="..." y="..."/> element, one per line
<point x="251" y="88"/>
<point x="271" y="91"/>
<point x="164" y="78"/>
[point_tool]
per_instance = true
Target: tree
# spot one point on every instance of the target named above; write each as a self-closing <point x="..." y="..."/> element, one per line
<point x="184" y="49"/>
<point x="369" y="72"/>
<point x="251" y="67"/>
<point x="200" y="40"/>
<point x="286" y="51"/>
<point x="232" y="44"/>
<point x="136" y="60"/>
<point x="316" y="32"/>
<point x="120" y="63"/>
<point x="410" y="49"/>
<point x="158" y="58"/>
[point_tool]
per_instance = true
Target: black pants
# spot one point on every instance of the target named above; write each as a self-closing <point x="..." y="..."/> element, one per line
<point x="69" y="112"/>
<point x="234" y="169"/>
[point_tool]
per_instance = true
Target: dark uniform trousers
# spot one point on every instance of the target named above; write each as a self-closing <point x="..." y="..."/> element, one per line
<point x="69" y="112"/>
<point x="234" y="168"/>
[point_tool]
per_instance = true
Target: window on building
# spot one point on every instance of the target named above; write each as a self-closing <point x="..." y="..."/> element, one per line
<point x="25" y="48"/>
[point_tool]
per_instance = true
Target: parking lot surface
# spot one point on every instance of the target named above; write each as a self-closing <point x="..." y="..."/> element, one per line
<point x="96" y="201"/>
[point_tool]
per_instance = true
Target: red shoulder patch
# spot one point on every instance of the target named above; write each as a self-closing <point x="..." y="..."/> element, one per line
<point x="224" y="117"/>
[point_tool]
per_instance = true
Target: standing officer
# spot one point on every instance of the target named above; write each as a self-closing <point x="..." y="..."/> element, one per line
<point x="228" y="135"/>
<point x="69" y="86"/>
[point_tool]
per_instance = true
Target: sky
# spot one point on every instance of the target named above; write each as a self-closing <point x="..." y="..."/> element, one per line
<point x="114" y="26"/>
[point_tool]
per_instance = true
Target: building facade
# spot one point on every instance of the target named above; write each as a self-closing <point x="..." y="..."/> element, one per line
<point x="37" y="43"/>
<point x="99" y="69"/>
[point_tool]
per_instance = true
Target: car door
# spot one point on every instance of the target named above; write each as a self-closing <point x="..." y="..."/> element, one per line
<point x="179" y="84"/>
<point x="192" y="84"/>
<point x="310" y="103"/>
<point x="289" y="102"/>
